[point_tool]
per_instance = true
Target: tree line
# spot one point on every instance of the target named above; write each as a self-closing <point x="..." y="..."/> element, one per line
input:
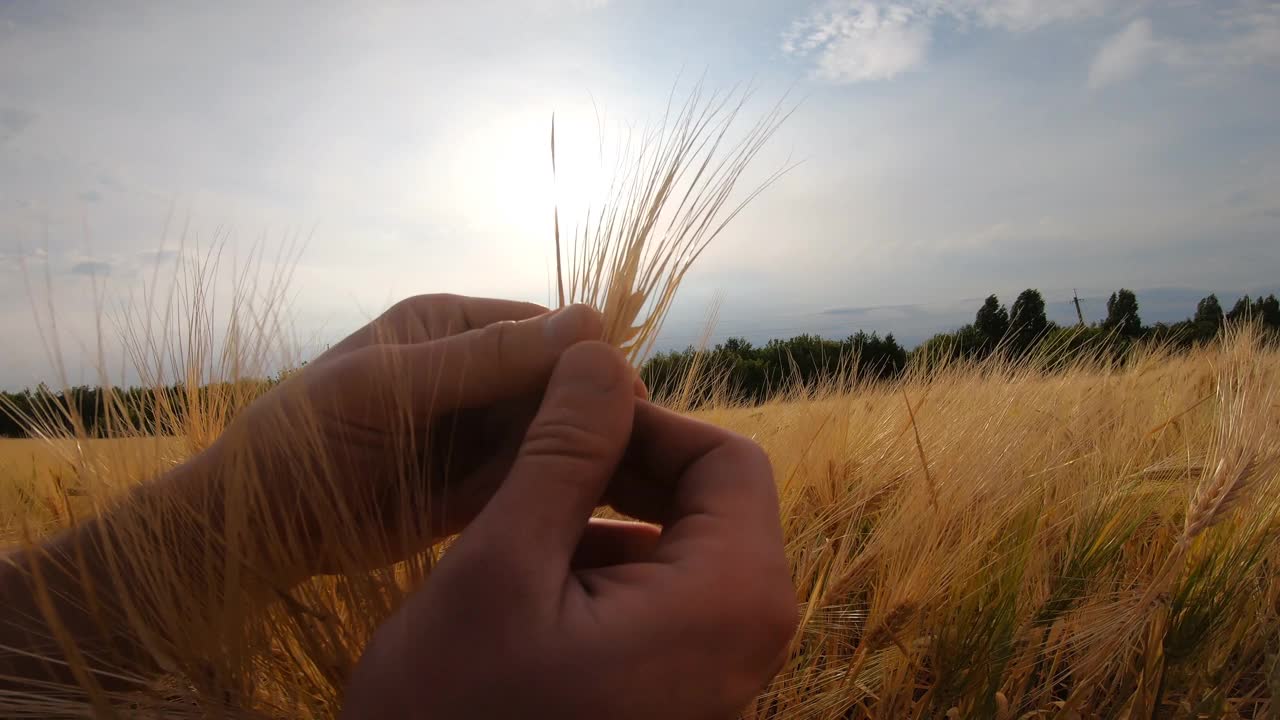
<point x="1023" y="329"/>
<point x="747" y="372"/>
<point x="98" y="410"/>
<point x="752" y="373"/>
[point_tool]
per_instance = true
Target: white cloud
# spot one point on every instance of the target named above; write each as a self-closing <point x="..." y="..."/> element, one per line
<point x="1022" y="15"/>
<point x="851" y="41"/>
<point x="859" y="40"/>
<point x="864" y="42"/>
<point x="1124" y="54"/>
<point x="1243" y="36"/>
<point x="1250" y="37"/>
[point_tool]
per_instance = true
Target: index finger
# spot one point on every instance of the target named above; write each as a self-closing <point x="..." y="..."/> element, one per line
<point x="422" y="318"/>
<point x="472" y="313"/>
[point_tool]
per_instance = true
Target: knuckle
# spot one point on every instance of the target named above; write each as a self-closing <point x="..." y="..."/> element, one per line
<point x="428" y="306"/>
<point x="426" y="301"/>
<point x="591" y="322"/>
<point x="752" y="453"/>
<point x="561" y="434"/>
<point x="754" y="465"/>
<point x="415" y="318"/>
<point x="494" y="340"/>
<point x="403" y="308"/>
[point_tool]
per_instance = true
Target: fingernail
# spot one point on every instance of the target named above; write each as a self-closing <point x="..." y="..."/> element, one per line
<point x="565" y="326"/>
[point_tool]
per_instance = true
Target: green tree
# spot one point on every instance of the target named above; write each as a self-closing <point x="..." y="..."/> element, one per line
<point x="1122" y="314"/>
<point x="753" y="374"/>
<point x="1267" y="311"/>
<point x="1240" y="311"/>
<point x="1027" y="320"/>
<point x="965" y="343"/>
<point x="1209" y="311"/>
<point x="992" y="321"/>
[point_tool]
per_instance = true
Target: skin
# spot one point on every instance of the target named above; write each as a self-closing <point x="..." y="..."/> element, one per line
<point x="537" y="609"/>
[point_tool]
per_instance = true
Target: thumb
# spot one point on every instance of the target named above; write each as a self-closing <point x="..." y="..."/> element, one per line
<point x="564" y="464"/>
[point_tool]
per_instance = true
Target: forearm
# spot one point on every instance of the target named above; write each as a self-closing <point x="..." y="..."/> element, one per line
<point x="62" y="620"/>
<point x="102" y="603"/>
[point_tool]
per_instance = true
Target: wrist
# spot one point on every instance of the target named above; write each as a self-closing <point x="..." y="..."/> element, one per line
<point x="238" y="493"/>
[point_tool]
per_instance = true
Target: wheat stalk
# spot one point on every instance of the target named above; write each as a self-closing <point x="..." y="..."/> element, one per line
<point x="672" y="194"/>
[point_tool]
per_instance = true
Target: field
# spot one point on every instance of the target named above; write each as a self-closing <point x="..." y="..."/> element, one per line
<point x="39" y="478"/>
<point x="1042" y="538"/>
<point x="985" y="541"/>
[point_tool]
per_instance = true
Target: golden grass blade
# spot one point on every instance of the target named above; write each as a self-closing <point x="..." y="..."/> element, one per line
<point x="666" y="202"/>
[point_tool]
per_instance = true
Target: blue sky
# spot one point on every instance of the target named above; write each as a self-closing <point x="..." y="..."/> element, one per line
<point x="949" y="148"/>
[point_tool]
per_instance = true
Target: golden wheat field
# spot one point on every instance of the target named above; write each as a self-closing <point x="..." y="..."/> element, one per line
<point x="39" y="488"/>
<point x="986" y="541"/>
<point x="971" y="540"/>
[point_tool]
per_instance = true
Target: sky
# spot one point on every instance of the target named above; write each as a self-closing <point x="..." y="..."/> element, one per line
<point x="945" y="149"/>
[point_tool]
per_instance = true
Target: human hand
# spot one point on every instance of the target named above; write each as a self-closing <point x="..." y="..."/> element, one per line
<point x="540" y="611"/>
<point x="394" y="437"/>
<point x="399" y="434"/>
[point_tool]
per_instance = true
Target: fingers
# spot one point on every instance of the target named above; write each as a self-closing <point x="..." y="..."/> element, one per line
<point x="430" y="317"/>
<point x="480" y="367"/>
<point x="614" y="542"/>
<point x="472" y="313"/>
<point x="641" y="390"/>
<point x="676" y="466"/>
<point x="721" y="529"/>
<point x="536" y="519"/>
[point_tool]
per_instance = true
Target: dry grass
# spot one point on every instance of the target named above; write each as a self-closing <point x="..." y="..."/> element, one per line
<point x="40" y="479"/>
<point x="1102" y="542"/>
<point x="983" y="541"/>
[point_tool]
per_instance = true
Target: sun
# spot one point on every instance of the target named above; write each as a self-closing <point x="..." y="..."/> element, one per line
<point x="506" y="188"/>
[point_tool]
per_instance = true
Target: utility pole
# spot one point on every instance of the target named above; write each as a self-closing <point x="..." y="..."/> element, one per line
<point x="1075" y="297"/>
